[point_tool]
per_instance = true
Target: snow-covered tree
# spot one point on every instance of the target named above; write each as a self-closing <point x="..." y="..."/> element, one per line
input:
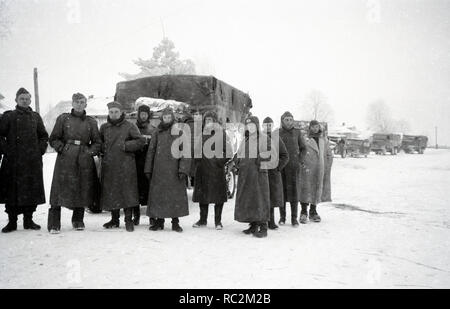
<point x="165" y="60"/>
<point x="315" y="107"/>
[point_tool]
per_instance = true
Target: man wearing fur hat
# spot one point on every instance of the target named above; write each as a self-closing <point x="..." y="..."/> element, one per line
<point x="119" y="188"/>
<point x="143" y="123"/>
<point x="275" y="179"/>
<point x="294" y="142"/>
<point x="317" y="159"/>
<point x="76" y="139"/>
<point x="167" y="173"/>
<point x="21" y="179"/>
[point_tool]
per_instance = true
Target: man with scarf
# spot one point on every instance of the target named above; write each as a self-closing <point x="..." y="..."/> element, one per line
<point x="294" y="142"/>
<point x="317" y="159"/>
<point x="143" y="123"/>
<point x="21" y="178"/>
<point x="76" y="139"/>
<point x="256" y="155"/>
<point x="119" y="188"/>
<point x="167" y="172"/>
<point x="275" y="180"/>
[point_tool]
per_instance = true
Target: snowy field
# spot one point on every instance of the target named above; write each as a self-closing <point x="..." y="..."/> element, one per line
<point x="388" y="227"/>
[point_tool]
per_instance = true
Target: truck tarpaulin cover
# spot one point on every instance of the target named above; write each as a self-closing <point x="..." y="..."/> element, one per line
<point x="202" y="93"/>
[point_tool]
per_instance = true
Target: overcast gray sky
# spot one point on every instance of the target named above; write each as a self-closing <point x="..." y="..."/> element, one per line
<point x="355" y="51"/>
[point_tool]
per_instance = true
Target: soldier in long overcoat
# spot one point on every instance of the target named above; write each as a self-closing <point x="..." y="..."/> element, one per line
<point x="168" y="172"/>
<point x="253" y="160"/>
<point x="119" y="187"/>
<point x="76" y="139"/>
<point x="294" y="142"/>
<point x="210" y="186"/>
<point x="21" y="178"/>
<point x="143" y="123"/>
<point x="317" y="159"/>
<point x="275" y="179"/>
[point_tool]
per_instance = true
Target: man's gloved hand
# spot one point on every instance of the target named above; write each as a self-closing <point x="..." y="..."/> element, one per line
<point x="148" y="176"/>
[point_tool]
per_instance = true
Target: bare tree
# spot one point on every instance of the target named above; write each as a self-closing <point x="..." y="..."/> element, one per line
<point x="379" y="117"/>
<point x="315" y="107"/>
<point x="164" y="61"/>
<point x="5" y="21"/>
<point x="402" y="126"/>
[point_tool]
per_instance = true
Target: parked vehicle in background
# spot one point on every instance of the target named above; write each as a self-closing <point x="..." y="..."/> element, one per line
<point x="356" y="147"/>
<point x="414" y="143"/>
<point x="386" y="142"/>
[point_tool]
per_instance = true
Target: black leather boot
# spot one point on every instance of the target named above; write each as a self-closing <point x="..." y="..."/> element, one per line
<point x="262" y="231"/>
<point x="159" y="225"/>
<point x="282" y="215"/>
<point x="176" y="225"/>
<point x="252" y="228"/>
<point x="272" y="225"/>
<point x="203" y="216"/>
<point x="129" y="224"/>
<point x="114" y="223"/>
<point x="77" y="219"/>
<point x="28" y="223"/>
<point x="54" y="220"/>
<point x="12" y="224"/>
<point x="294" y="214"/>
<point x="218" y="216"/>
<point x="137" y="215"/>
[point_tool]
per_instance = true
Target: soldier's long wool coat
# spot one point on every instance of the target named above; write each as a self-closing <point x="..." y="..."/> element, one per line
<point x="253" y="191"/>
<point x="25" y="142"/>
<point x="75" y="182"/>
<point x="167" y="195"/>
<point x="316" y="171"/>
<point x="118" y="174"/>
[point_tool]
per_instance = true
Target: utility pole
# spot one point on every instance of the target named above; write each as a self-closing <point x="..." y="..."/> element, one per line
<point x="435" y="134"/>
<point x="36" y="90"/>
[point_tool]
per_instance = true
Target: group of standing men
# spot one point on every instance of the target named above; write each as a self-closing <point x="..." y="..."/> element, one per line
<point x="139" y="167"/>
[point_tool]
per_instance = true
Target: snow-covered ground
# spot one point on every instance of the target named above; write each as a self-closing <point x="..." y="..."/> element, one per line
<point x="388" y="227"/>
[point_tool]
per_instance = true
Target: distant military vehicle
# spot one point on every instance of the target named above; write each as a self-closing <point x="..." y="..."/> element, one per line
<point x="414" y="143"/>
<point x="356" y="147"/>
<point x="386" y="142"/>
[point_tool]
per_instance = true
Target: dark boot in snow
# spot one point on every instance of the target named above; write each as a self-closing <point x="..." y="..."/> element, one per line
<point x="218" y="216"/>
<point x="313" y="215"/>
<point x="203" y="216"/>
<point x="176" y="225"/>
<point x="262" y="231"/>
<point x="152" y="221"/>
<point x="12" y="224"/>
<point x="159" y="225"/>
<point x="271" y="224"/>
<point x="137" y="215"/>
<point x="282" y="215"/>
<point x="294" y="214"/>
<point x="77" y="219"/>
<point x="28" y="223"/>
<point x="114" y="223"/>
<point x="304" y="218"/>
<point x="129" y="224"/>
<point x="54" y="220"/>
<point x="252" y="228"/>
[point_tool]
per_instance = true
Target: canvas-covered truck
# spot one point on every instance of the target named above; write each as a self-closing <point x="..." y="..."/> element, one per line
<point x="386" y="142"/>
<point x="414" y="143"/>
<point x="201" y="93"/>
